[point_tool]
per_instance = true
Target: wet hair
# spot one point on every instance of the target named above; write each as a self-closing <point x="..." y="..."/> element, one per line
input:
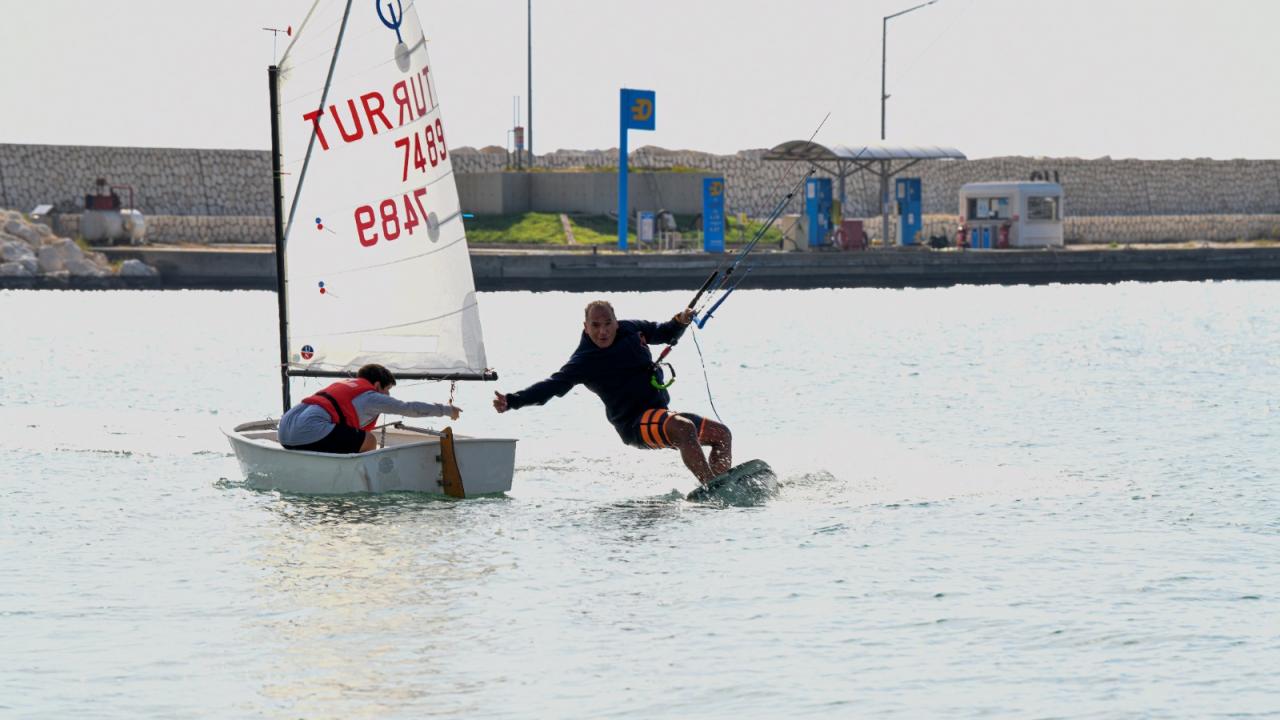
<point x="376" y="373"/>
<point x="586" y="315"/>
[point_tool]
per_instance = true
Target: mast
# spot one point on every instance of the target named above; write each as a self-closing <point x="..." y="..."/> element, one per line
<point x="277" y="201"/>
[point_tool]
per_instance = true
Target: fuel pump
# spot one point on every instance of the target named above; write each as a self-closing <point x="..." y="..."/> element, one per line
<point x="817" y="211"/>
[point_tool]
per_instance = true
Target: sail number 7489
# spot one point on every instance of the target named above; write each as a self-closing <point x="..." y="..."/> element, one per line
<point x="433" y="136"/>
<point x="388" y="215"/>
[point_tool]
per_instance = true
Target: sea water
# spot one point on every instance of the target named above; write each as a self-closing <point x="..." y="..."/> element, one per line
<point x="1055" y="501"/>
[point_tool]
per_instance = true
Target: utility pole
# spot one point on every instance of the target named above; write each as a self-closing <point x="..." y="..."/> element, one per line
<point x="884" y="35"/>
<point x="884" y="165"/>
<point x="529" y="27"/>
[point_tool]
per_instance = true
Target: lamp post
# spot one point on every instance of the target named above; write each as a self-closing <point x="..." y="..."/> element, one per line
<point x="884" y="34"/>
<point x="884" y="164"/>
<point x="529" y="30"/>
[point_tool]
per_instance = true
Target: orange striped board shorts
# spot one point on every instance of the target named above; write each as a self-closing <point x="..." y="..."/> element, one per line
<point x="650" y="429"/>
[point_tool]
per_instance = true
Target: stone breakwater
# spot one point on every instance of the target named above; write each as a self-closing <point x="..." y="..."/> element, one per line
<point x="165" y="181"/>
<point x="197" y="229"/>
<point x="212" y="196"/>
<point x="31" y="251"/>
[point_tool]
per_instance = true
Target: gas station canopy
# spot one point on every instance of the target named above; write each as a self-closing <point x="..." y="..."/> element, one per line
<point x="805" y="151"/>
<point x="842" y="161"/>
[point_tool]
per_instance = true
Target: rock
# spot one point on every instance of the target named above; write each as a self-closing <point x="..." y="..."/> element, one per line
<point x="22" y="231"/>
<point x="137" y="268"/>
<point x="28" y="233"/>
<point x="99" y="259"/>
<point x="15" y="269"/>
<point x="55" y="253"/>
<point x="84" y="267"/>
<point x="15" y="250"/>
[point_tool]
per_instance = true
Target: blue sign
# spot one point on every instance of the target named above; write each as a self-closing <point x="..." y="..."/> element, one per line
<point x="635" y="112"/>
<point x="638" y="109"/>
<point x="713" y="214"/>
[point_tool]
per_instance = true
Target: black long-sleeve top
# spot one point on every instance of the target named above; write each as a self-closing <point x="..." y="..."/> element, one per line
<point x="618" y="374"/>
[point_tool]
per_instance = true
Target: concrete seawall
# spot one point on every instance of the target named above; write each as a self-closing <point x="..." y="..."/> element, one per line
<point x="254" y="268"/>
<point x="176" y="181"/>
<point x="222" y="196"/>
<point x="785" y="271"/>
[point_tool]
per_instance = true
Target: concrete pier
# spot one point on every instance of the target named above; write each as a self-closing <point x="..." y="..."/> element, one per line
<point x="253" y="267"/>
<point x="894" y="269"/>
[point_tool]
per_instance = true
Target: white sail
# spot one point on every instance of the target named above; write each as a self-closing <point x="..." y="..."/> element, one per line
<point x="377" y="267"/>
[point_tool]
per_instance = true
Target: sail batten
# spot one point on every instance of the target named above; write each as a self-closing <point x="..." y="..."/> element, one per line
<point x="399" y="261"/>
<point x="384" y="328"/>
<point x="378" y="268"/>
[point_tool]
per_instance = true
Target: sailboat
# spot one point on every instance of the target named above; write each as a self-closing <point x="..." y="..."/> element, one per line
<point x="372" y="263"/>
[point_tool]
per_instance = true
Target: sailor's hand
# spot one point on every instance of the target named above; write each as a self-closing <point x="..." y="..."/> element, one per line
<point x="499" y="402"/>
<point x="454" y="412"/>
<point x="684" y="317"/>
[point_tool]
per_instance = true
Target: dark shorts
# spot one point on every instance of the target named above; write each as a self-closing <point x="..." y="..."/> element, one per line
<point x="341" y="440"/>
<point x="649" y="431"/>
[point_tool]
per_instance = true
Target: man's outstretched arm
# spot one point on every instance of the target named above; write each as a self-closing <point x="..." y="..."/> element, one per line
<point x="539" y="393"/>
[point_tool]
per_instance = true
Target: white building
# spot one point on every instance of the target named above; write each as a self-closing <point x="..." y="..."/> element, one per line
<point x="1012" y="214"/>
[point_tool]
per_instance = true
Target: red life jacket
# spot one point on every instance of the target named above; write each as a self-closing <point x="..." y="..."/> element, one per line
<point x="337" y="401"/>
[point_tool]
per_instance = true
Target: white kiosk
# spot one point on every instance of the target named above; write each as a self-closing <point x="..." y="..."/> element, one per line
<point x="1011" y="214"/>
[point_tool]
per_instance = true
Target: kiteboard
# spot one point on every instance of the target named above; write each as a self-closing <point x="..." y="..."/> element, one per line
<point x="747" y="483"/>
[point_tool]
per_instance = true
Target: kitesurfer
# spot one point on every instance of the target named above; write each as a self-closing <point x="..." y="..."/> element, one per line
<point x="339" y="419"/>
<point x="613" y="361"/>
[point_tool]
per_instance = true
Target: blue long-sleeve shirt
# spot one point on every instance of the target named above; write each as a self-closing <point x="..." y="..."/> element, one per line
<point x="618" y="374"/>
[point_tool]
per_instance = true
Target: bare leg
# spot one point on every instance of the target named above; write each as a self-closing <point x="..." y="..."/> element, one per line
<point x="370" y="442"/>
<point x="721" y="441"/>
<point x="684" y="437"/>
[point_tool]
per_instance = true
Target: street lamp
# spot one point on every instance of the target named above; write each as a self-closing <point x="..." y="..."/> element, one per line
<point x="884" y="164"/>
<point x="884" y="33"/>
<point x="529" y="30"/>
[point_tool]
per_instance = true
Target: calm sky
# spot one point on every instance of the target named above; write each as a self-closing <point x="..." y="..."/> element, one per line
<point x="1083" y="78"/>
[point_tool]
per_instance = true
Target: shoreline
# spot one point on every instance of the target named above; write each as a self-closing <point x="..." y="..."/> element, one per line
<point x="539" y="269"/>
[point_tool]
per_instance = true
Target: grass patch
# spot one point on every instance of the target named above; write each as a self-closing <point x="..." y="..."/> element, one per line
<point x="736" y="233"/>
<point x="672" y="169"/>
<point x="599" y="230"/>
<point x="612" y="169"/>
<point x="537" y="228"/>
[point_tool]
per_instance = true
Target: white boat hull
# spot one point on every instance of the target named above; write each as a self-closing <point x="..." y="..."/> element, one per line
<point x="409" y="461"/>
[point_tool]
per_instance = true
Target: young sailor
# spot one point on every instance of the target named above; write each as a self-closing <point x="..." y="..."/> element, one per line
<point x="614" y="362"/>
<point x="339" y="419"/>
